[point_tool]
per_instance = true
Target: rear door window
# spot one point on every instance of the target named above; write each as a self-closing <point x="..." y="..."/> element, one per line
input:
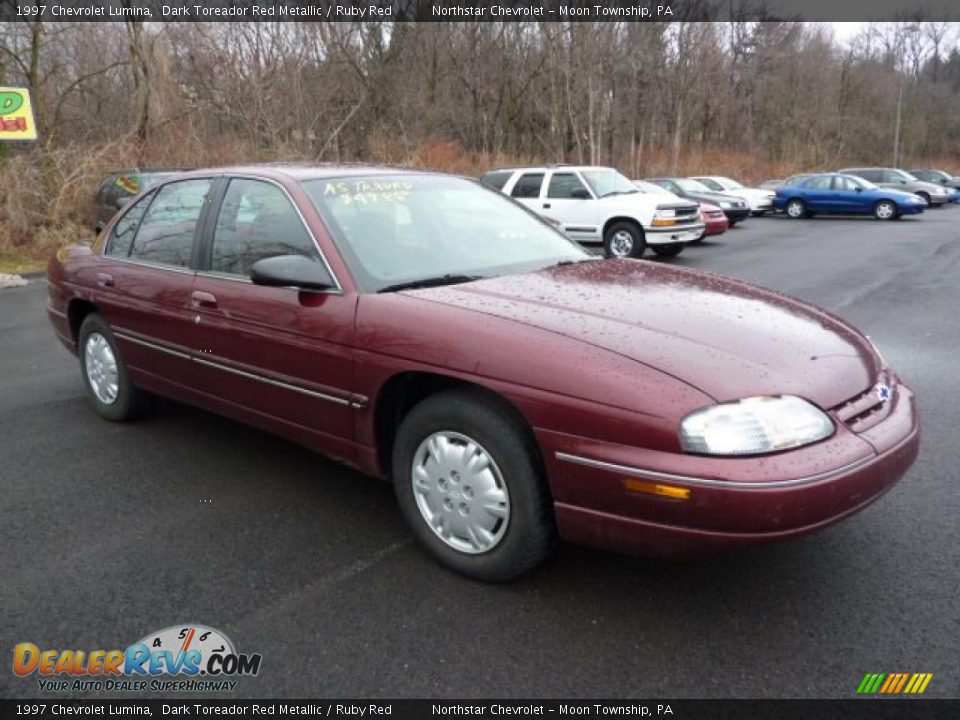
<point x="126" y="228"/>
<point x="166" y="233"/>
<point x="820" y="183"/>
<point x="528" y="186"/>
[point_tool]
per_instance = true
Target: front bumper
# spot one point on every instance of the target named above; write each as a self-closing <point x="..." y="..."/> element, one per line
<point x="733" y="502"/>
<point x="736" y="214"/>
<point x="717" y="226"/>
<point x="670" y="235"/>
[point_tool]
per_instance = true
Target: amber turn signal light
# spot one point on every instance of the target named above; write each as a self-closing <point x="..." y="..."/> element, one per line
<point x="658" y="489"/>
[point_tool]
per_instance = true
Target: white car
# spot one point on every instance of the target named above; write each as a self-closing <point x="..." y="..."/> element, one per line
<point x="598" y="205"/>
<point x="760" y="201"/>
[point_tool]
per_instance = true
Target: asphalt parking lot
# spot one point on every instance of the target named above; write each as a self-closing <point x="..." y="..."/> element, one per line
<point x="108" y="532"/>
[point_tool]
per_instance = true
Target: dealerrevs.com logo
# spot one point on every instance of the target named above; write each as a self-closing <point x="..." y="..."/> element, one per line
<point x="182" y="658"/>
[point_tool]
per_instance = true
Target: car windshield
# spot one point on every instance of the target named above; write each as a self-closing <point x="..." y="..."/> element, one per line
<point x="648" y="187"/>
<point x="694" y="186"/>
<point x="401" y="229"/>
<point x="606" y="182"/>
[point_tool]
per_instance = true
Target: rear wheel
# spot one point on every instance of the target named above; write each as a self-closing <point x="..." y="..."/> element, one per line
<point x="796" y="209"/>
<point x="469" y="481"/>
<point x="108" y="383"/>
<point x="624" y="239"/>
<point x="668" y="250"/>
<point x="885" y="210"/>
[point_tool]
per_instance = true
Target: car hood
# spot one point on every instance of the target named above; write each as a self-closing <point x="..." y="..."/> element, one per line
<point x="713" y="198"/>
<point x="897" y="194"/>
<point x="755" y="193"/>
<point x="724" y="337"/>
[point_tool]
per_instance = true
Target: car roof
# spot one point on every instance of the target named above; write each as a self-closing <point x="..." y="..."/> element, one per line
<point x="572" y="168"/>
<point x="310" y="171"/>
<point x="143" y="171"/>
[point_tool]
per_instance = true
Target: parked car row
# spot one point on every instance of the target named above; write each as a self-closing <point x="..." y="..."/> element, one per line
<point x="885" y="193"/>
<point x="600" y="206"/>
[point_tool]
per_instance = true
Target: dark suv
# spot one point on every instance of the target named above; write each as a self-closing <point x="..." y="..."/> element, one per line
<point x="116" y="189"/>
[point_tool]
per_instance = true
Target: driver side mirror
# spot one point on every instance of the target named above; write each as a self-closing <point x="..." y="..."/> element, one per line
<point x="294" y="271"/>
<point x="858" y="188"/>
<point x="580" y="194"/>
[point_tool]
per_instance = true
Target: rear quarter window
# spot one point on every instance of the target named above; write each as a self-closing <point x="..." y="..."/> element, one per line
<point x="496" y="179"/>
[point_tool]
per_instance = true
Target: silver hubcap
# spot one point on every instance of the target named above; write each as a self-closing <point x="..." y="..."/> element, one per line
<point x="460" y="492"/>
<point x="621" y="243"/>
<point x="884" y="211"/>
<point x="101" y="368"/>
<point x="795" y="210"/>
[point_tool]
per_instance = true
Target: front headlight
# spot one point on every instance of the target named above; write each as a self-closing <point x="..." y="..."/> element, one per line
<point x="753" y="426"/>
<point x="726" y="205"/>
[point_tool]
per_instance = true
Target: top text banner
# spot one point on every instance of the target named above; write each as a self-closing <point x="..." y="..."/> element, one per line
<point x="474" y="10"/>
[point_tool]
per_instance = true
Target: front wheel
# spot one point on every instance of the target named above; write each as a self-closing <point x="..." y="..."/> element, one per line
<point x="108" y="383"/>
<point x="925" y="197"/>
<point x="668" y="250"/>
<point x="796" y="209"/>
<point x="469" y="481"/>
<point x="624" y="239"/>
<point x="885" y="210"/>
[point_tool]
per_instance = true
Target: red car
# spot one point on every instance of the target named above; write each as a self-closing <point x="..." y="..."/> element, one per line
<point x="714" y="220"/>
<point x="515" y="389"/>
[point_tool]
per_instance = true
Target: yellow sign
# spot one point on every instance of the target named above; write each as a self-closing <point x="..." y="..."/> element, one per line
<point x="16" y="115"/>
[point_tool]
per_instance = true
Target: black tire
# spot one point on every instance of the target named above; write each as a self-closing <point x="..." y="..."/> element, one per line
<point x="885" y="210"/>
<point x="530" y="532"/>
<point x="758" y="213"/>
<point x="668" y="250"/>
<point x="613" y="239"/>
<point x="796" y="209"/>
<point x="131" y="402"/>
<point x="732" y="223"/>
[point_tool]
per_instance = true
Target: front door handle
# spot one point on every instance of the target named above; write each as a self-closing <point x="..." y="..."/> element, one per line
<point x="104" y="279"/>
<point x="203" y="299"/>
<point x="546" y="206"/>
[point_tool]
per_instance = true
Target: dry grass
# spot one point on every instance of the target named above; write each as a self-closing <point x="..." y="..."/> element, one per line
<point x="45" y="196"/>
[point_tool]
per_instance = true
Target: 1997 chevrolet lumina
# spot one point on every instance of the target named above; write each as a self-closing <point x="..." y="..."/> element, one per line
<point x="515" y="389"/>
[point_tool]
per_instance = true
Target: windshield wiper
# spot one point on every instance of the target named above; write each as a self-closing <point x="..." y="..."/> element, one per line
<point x="619" y="192"/>
<point x="449" y="279"/>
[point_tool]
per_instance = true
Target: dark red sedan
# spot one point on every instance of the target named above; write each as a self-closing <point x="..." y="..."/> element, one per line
<point x="515" y="389"/>
<point x="715" y="221"/>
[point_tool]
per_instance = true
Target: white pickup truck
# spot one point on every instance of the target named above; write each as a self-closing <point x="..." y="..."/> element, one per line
<point x="598" y="205"/>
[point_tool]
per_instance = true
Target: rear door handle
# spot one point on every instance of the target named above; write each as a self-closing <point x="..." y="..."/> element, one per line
<point x="203" y="299"/>
<point x="546" y="205"/>
<point x="104" y="279"/>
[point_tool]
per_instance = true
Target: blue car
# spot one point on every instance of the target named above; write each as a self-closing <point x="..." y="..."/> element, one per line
<point x="835" y="193"/>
